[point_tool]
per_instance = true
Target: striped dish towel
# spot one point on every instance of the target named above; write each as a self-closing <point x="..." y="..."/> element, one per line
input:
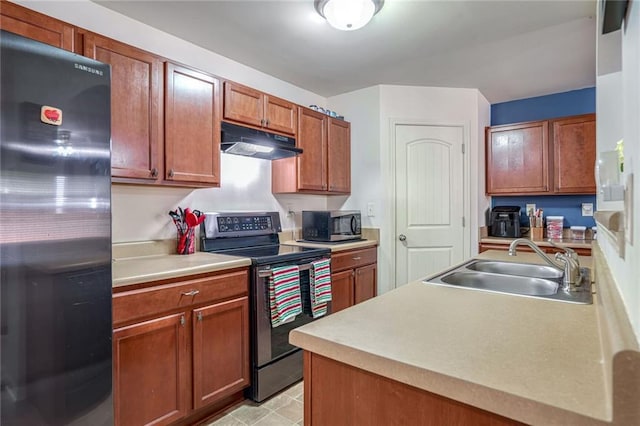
<point x="284" y="294"/>
<point x="320" y="286"/>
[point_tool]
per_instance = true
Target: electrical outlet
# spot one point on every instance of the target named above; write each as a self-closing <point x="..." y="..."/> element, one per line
<point x="587" y="209"/>
<point x="531" y="209"/>
<point x="370" y="211"/>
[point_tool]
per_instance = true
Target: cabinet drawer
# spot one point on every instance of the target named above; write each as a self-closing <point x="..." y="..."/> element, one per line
<point x="353" y="258"/>
<point x="131" y="305"/>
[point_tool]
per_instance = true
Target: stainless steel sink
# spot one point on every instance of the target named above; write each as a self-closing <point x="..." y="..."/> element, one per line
<point x="502" y="283"/>
<point x="522" y="279"/>
<point x="521" y="269"/>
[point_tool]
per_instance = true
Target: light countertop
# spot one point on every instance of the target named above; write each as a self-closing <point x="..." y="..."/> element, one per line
<point x="334" y="246"/>
<point x="567" y="242"/>
<point x="141" y="269"/>
<point x="534" y="360"/>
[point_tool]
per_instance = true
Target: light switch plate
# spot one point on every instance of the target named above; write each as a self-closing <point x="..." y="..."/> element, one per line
<point x="370" y="210"/>
<point x="531" y="209"/>
<point x="587" y="209"/>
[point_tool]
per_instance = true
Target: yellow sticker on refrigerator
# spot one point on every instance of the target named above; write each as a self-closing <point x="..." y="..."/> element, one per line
<point x="51" y="115"/>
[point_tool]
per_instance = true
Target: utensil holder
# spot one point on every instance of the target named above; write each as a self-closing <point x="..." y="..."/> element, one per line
<point x="186" y="242"/>
<point x="537" y="234"/>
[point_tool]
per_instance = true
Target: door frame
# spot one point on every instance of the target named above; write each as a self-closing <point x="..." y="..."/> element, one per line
<point x="391" y="177"/>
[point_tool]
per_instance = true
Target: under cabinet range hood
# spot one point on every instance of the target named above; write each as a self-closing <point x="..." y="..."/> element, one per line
<point x="254" y="143"/>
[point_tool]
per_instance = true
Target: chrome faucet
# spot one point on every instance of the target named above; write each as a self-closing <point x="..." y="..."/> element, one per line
<point x="569" y="261"/>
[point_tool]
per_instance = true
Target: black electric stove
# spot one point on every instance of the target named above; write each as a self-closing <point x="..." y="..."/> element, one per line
<point x="275" y="364"/>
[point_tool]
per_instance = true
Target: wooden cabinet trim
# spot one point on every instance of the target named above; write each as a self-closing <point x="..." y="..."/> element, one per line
<point x="352" y="259"/>
<point x="136" y="127"/>
<point x="37" y="26"/>
<point x="574" y="157"/>
<point x="192" y="127"/>
<point x="563" y="172"/>
<point x="280" y="115"/>
<point x="125" y="370"/>
<point x="202" y="359"/>
<point x="146" y="302"/>
<point x="337" y="393"/>
<point x="534" y="175"/>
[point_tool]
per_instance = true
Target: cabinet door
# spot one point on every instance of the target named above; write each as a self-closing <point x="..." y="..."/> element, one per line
<point x="365" y="283"/>
<point x="150" y="372"/>
<point x="36" y="26"/>
<point x="574" y="154"/>
<point x="192" y="127"/>
<point x="312" y="138"/>
<point x="339" y="156"/>
<point x="341" y="290"/>
<point x="220" y="350"/>
<point x="517" y="158"/>
<point x="243" y="104"/>
<point x="280" y="115"/>
<point x="136" y="107"/>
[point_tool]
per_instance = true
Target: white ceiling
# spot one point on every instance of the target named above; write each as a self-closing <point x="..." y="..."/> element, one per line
<point x="510" y="49"/>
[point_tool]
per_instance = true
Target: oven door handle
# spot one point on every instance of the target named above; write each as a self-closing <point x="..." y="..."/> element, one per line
<point x="268" y="272"/>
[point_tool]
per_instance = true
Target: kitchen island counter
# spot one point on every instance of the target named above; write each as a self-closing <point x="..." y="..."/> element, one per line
<point x="533" y="360"/>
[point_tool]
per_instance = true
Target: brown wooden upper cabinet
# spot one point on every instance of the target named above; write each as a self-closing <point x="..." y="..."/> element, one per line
<point x="248" y="106"/>
<point x="36" y="26"/>
<point x="324" y="167"/>
<point x="136" y="108"/>
<point x="192" y="126"/>
<point x="518" y="158"/>
<point x="542" y="157"/>
<point x="574" y="154"/>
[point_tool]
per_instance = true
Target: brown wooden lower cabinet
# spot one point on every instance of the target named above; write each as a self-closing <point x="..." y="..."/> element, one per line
<point x="180" y="349"/>
<point x="353" y="277"/>
<point x="150" y="371"/>
<point x="337" y="394"/>
<point x="522" y="248"/>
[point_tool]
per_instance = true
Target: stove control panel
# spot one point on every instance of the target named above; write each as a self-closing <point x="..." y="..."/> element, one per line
<point x="225" y="225"/>
<point x="244" y="223"/>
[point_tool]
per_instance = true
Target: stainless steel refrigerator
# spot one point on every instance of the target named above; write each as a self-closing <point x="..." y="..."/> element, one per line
<point x="55" y="236"/>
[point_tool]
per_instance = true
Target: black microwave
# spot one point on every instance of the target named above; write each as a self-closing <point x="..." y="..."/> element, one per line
<point x="336" y="225"/>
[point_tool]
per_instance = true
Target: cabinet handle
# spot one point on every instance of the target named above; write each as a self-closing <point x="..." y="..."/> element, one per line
<point x="154" y="172"/>
<point x="199" y="316"/>
<point x="267" y="122"/>
<point x="171" y="173"/>
<point x="182" y="321"/>
<point x="262" y="122"/>
<point x="191" y="293"/>
<point x="357" y="258"/>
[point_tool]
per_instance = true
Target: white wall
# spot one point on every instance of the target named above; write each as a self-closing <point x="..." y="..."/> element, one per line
<point x="374" y="108"/>
<point x="140" y="212"/>
<point x="626" y="270"/>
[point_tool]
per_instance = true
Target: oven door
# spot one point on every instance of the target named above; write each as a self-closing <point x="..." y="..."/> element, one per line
<point x="272" y="343"/>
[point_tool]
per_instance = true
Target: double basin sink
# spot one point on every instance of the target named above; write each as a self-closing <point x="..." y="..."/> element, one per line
<point x="523" y="279"/>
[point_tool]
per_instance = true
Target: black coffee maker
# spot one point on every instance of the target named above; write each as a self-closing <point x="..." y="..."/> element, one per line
<point x="505" y="222"/>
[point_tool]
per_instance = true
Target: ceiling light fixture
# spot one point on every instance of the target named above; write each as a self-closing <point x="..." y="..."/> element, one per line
<point x="348" y="15"/>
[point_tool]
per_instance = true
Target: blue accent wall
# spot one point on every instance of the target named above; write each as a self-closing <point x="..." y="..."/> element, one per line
<point x="575" y="102"/>
<point x="569" y="206"/>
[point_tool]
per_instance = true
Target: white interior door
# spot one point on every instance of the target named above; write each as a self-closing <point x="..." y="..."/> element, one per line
<point x="430" y="193"/>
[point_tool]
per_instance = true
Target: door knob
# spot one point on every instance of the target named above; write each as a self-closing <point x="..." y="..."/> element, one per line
<point x="402" y="237"/>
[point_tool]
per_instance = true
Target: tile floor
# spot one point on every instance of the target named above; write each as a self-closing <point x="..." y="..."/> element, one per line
<point x="284" y="409"/>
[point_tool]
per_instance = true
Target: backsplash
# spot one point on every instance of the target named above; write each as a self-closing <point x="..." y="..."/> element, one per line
<point x="569" y="206"/>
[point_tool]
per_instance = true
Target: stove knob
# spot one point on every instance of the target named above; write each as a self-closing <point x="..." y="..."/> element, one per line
<point x="236" y="227"/>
